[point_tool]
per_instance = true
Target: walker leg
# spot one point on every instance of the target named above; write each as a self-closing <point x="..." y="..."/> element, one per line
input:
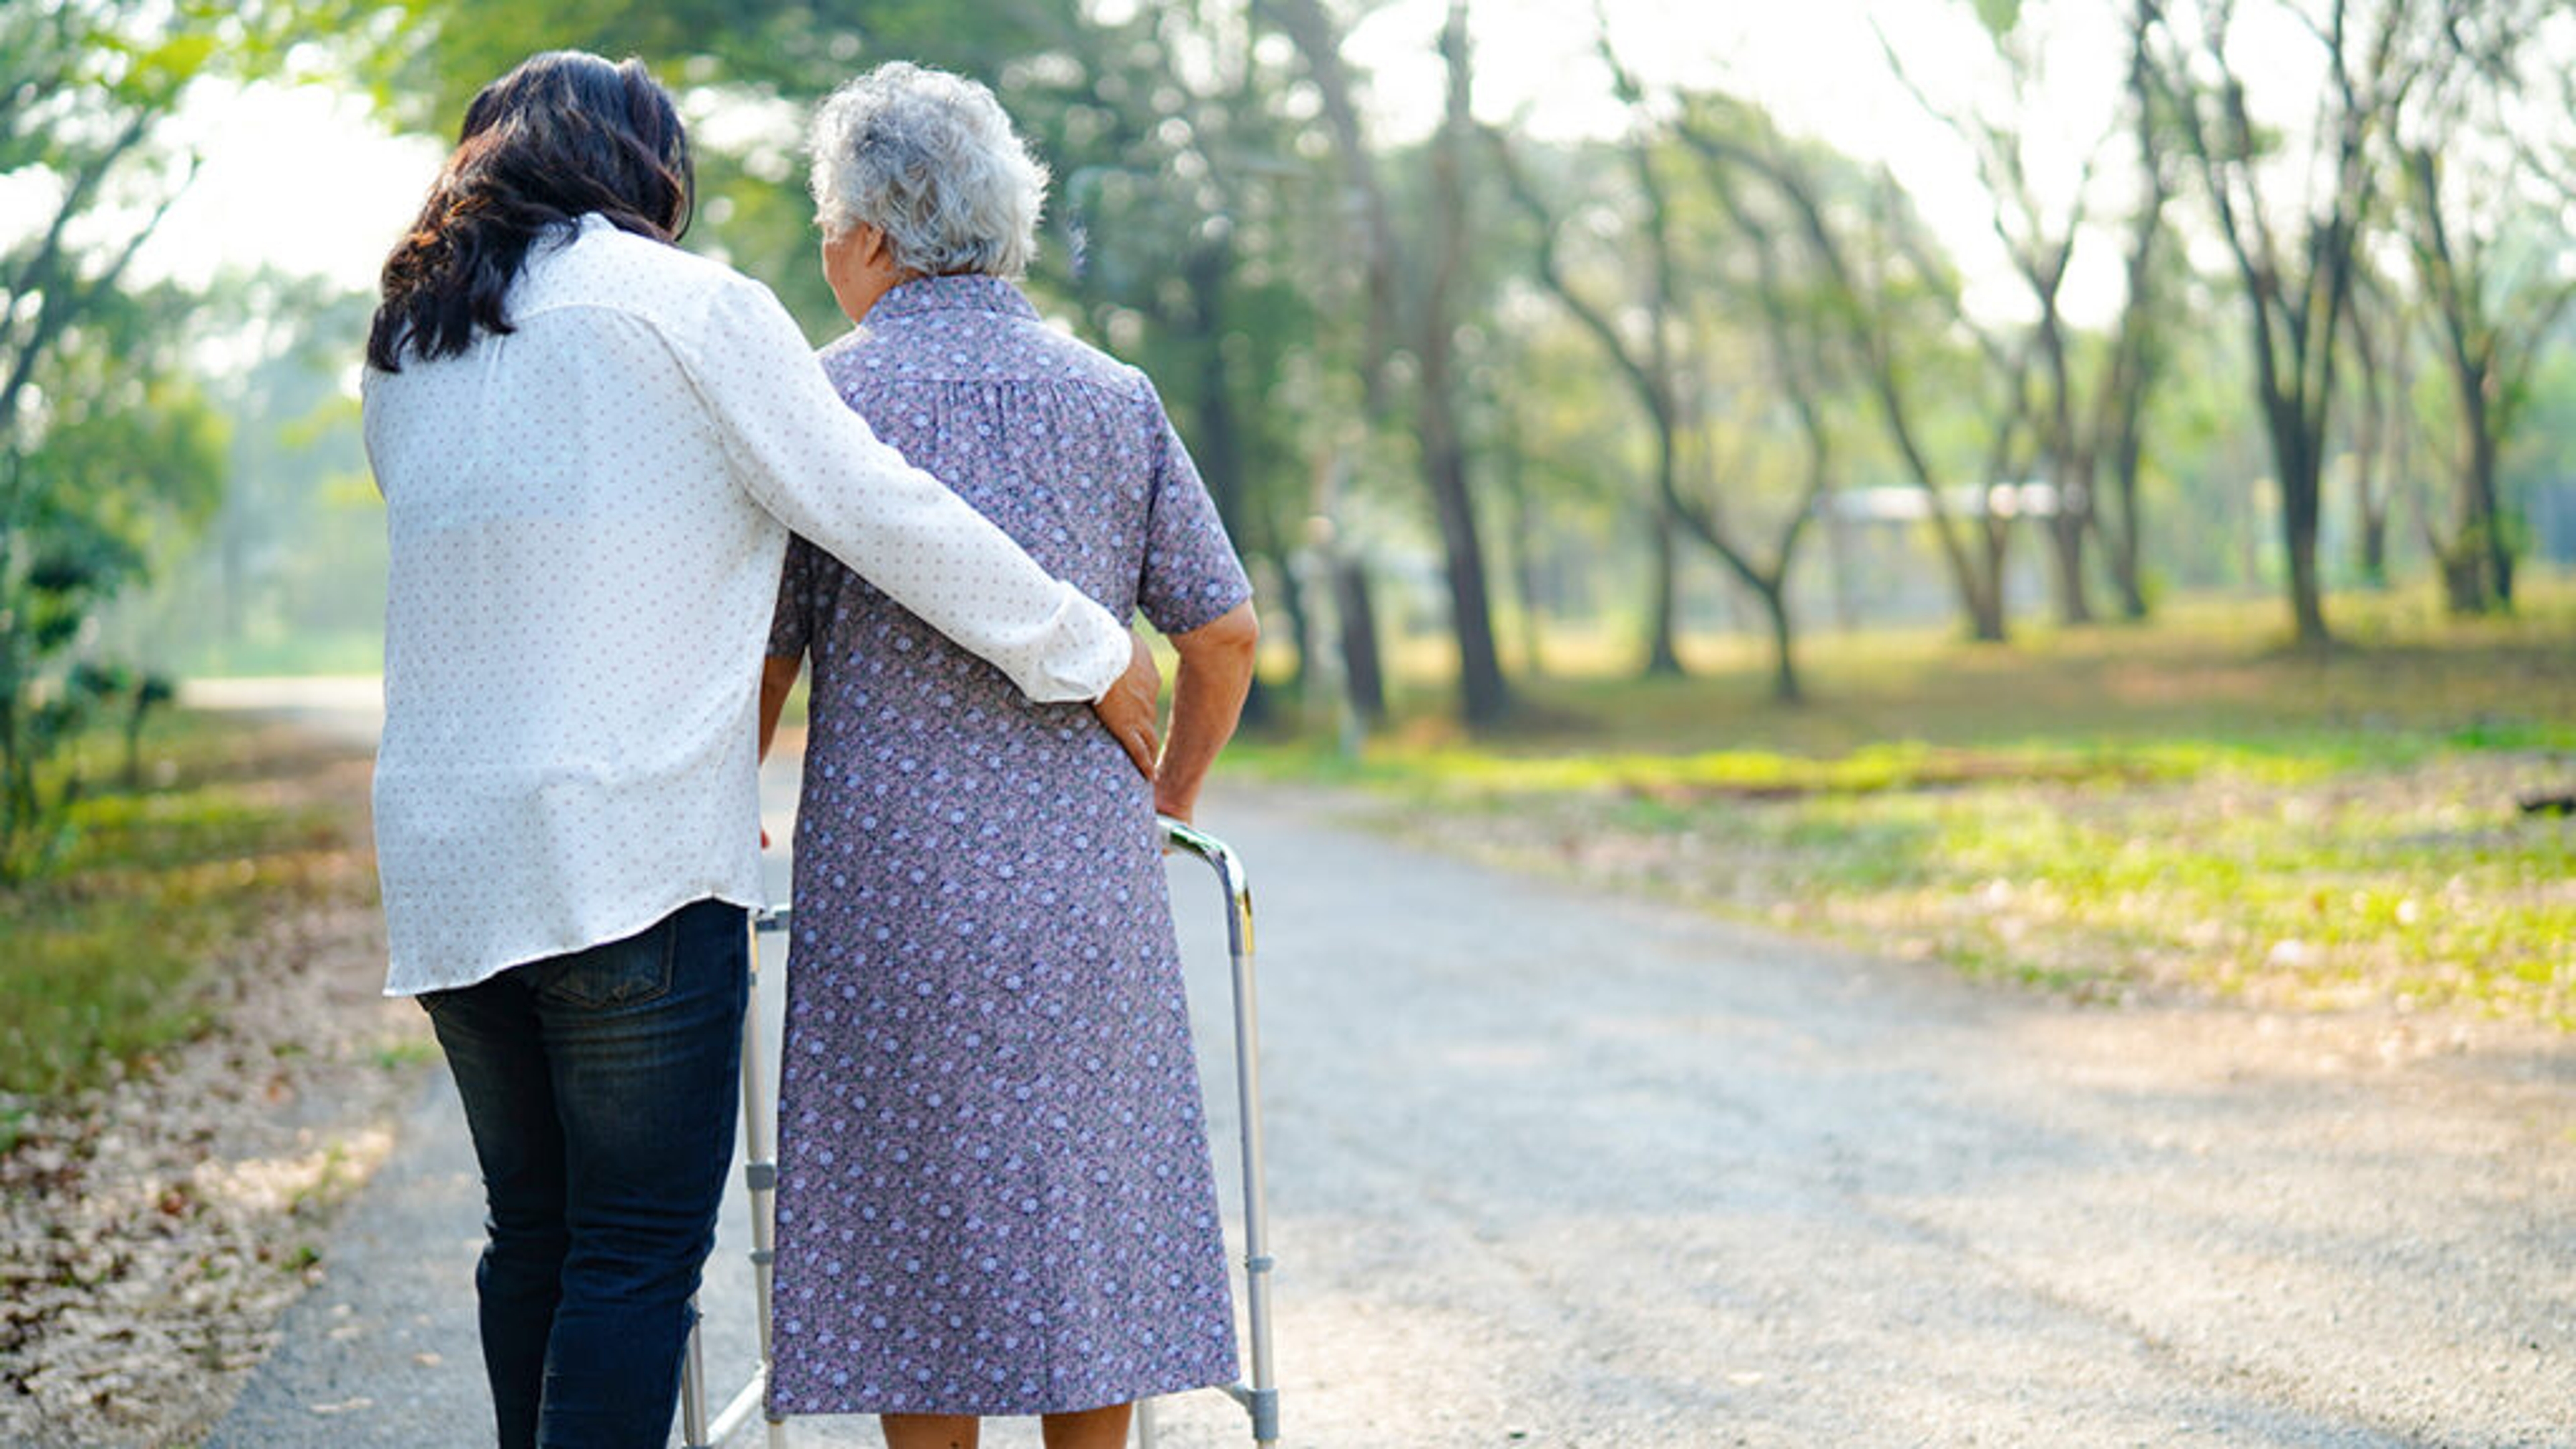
<point x="760" y="1180"/>
<point x="761" y="1173"/>
<point x="1259" y="1394"/>
<point x="693" y="1387"/>
<point x="1262" y="1402"/>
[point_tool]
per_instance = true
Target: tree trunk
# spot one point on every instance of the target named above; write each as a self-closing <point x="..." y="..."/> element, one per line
<point x="2374" y="437"/>
<point x="2066" y="539"/>
<point x="1784" y="659"/>
<point x="2307" y="598"/>
<point x="2374" y="543"/>
<point x="2066" y="468"/>
<point x="1880" y="370"/>
<point x="2126" y="564"/>
<point x="2470" y="560"/>
<point x="2370" y="438"/>
<point x="1663" y="603"/>
<point x="1985" y="595"/>
<point x="2295" y="309"/>
<point x="1483" y="695"/>
<point x="1981" y="596"/>
<point x="2492" y="535"/>
<point x="1523" y="529"/>
<point x="2295" y="451"/>
<point x="2133" y="364"/>
<point x="2298" y="449"/>
<point x="1363" y="670"/>
<point x="1219" y="450"/>
<point x="1301" y="628"/>
<point x="2491" y="342"/>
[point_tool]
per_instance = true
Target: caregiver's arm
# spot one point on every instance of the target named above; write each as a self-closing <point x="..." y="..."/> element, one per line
<point x="777" y="680"/>
<point x="816" y="466"/>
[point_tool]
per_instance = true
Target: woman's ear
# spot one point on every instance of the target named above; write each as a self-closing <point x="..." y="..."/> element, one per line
<point x="873" y="247"/>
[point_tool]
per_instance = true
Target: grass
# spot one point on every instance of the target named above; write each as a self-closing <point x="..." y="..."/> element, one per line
<point x="100" y="967"/>
<point x="2109" y="811"/>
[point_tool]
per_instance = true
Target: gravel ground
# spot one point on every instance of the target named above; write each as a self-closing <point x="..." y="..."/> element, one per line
<point x="1547" y="1169"/>
<point x="153" y="1229"/>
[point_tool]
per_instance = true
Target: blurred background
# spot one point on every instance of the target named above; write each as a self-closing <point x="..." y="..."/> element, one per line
<point x="1516" y="339"/>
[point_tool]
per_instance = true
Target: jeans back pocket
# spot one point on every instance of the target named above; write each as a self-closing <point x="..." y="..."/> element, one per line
<point x="616" y="973"/>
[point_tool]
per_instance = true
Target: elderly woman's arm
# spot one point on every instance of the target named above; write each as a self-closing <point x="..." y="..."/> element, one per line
<point x="1207" y="700"/>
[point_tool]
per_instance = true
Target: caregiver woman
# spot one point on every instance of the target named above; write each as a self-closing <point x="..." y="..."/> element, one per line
<point x="592" y="446"/>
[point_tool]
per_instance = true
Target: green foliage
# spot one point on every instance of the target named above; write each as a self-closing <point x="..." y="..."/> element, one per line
<point x="109" y="452"/>
<point x="128" y="460"/>
<point x="104" y="954"/>
<point x="787" y="47"/>
<point x="289" y="575"/>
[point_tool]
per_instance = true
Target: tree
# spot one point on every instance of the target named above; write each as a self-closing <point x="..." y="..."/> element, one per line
<point x="1645" y="342"/>
<point x="2295" y="257"/>
<point x="129" y="461"/>
<point x="2090" y="409"/>
<point x="1649" y="365"/>
<point x="2039" y="236"/>
<point x="105" y="444"/>
<point x="2488" y="258"/>
<point x="2138" y="343"/>
<point x="1420" y="321"/>
<point x="1867" y="277"/>
<point x="2377" y="433"/>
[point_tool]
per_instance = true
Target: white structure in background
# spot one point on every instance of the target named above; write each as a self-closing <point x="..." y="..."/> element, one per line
<point x="1905" y="504"/>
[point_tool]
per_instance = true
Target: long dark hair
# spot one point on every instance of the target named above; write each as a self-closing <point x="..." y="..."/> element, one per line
<point x="565" y="133"/>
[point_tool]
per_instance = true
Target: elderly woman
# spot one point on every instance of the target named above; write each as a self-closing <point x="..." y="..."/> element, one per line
<point x="995" y="1193"/>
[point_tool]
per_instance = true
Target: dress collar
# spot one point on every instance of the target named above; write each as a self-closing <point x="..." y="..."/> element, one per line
<point x="969" y="292"/>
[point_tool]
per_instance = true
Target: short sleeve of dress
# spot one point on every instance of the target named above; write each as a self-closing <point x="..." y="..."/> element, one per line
<point x="1191" y="575"/>
<point x="791" y="625"/>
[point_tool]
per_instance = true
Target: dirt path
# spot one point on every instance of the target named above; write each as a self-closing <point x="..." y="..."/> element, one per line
<point x="1552" y="1170"/>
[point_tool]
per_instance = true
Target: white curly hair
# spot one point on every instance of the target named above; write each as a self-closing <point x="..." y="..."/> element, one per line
<point x="930" y="159"/>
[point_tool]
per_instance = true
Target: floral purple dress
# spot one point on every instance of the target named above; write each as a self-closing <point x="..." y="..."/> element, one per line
<point x="995" y="1194"/>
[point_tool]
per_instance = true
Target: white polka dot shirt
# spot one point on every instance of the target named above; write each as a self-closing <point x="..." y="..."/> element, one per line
<point x="587" y="517"/>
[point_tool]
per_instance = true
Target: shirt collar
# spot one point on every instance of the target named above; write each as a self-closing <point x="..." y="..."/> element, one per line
<point x="563" y="234"/>
<point x="965" y="293"/>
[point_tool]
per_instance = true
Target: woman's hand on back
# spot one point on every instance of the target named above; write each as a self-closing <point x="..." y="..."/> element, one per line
<point x="1129" y="708"/>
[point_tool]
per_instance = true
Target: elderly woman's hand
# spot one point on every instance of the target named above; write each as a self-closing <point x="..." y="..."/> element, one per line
<point x="1129" y="706"/>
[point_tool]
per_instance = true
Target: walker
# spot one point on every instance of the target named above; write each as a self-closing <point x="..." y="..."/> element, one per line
<point x="1258" y="1393"/>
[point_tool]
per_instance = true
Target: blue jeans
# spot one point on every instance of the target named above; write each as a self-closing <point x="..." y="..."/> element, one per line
<point x="600" y="1089"/>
